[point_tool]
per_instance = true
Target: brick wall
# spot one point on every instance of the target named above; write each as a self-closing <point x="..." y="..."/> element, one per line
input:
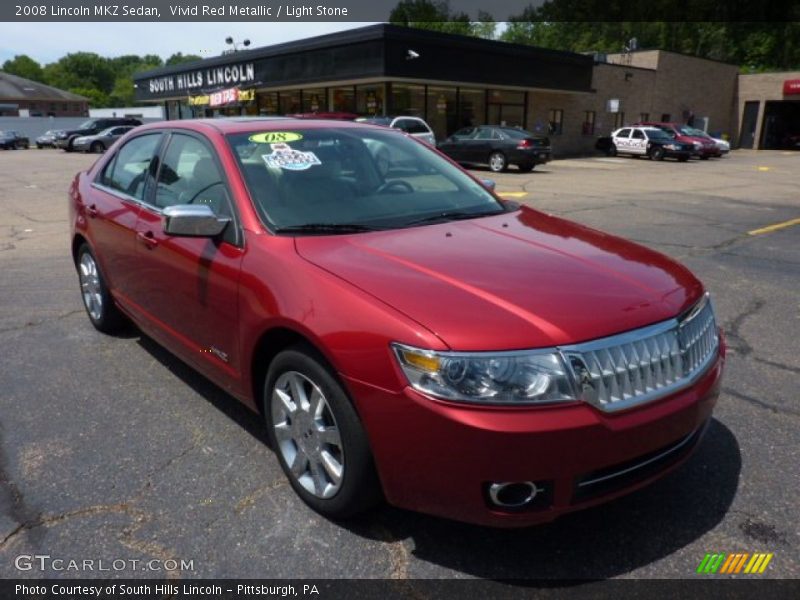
<point x="760" y="87"/>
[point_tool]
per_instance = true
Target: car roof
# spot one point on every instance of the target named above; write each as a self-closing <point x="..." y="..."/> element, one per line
<point x="233" y="125"/>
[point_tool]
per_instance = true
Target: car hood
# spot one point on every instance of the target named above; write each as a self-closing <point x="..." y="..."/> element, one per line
<point x="522" y="279"/>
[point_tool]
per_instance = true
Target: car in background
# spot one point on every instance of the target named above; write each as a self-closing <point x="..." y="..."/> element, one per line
<point x="703" y="147"/>
<point x="13" y="140"/>
<point x="647" y="141"/>
<point x="336" y="116"/>
<point x="47" y="139"/>
<point x="65" y="138"/>
<point x="406" y="335"/>
<point x="498" y="147"/>
<point x="413" y="126"/>
<point x="723" y="145"/>
<point x="100" y="143"/>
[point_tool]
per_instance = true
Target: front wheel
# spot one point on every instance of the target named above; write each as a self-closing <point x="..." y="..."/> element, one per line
<point x="497" y="162"/>
<point x="683" y="159"/>
<point x="612" y="150"/>
<point x="99" y="305"/>
<point x="96" y="147"/>
<point x="317" y="435"/>
<point x="657" y="154"/>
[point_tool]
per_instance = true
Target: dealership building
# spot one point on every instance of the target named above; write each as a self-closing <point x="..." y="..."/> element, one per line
<point x="454" y="81"/>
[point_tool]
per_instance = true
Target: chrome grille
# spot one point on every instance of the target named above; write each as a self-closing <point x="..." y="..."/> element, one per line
<point x="645" y="364"/>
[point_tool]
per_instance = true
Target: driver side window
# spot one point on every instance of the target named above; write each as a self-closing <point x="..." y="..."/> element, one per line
<point x="189" y="175"/>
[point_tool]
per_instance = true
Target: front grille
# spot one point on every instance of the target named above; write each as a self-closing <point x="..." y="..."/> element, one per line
<point x="645" y="364"/>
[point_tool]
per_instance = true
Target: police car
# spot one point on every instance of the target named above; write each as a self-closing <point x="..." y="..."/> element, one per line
<point x="648" y="141"/>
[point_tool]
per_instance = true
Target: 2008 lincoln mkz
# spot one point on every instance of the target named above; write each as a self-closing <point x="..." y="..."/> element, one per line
<point x="406" y="334"/>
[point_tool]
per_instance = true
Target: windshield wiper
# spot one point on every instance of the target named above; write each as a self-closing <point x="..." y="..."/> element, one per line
<point x="325" y="228"/>
<point x="453" y="215"/>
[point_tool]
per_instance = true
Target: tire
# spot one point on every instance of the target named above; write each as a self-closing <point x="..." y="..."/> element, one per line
<point x="683" y="159"/>
<point x="39" y="146"/>
<point x="657" y="154"/>
<point x="96" y="147"/>
<point x="310" y="439"/>
<point x="704" y="157"/>
<point x="497" y="162"/>
<point x="97" y="300"/>
<point x="69" y="147"/>
<point x="526" y="168"/>
<point x="612" y="150"/>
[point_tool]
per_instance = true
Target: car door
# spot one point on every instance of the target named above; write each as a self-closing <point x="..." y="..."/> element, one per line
<point x="455" y="145"/>
<point x="113" y="207"/>
<point x="622" y="140"/>
<point x="479" y="147"/>
<point x="187" y="287"/>
<point x="638" y="142"/>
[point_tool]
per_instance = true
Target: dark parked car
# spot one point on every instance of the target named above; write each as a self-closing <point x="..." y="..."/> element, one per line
<point x="66" y="137"/>
<point x="497" y="147"/>
<point x="13" y="140"/>
<point x="47" y="139"/>
<point x="401" y="330"/>
<point x="100" y="142"/>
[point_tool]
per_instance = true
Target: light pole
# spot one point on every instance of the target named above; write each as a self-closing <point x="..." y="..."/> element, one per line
<point x="236" y="45"/>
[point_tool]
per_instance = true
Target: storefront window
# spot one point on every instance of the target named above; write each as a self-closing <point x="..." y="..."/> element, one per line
<point x="506" y="97"/>
<point x="588" y="122"/>
<point x="619" y="120"/>
<point x="442" y="110"/>
<point x="314" y="100"/>
<point x="556" y="120"/>
<point x="267" y="103"/>
<point x="369" y="99"/>
<point x="343" y="99"/>
<point x="290" y="103"/>
<point x="407" y="99"/>
<point x="472" y="108"/>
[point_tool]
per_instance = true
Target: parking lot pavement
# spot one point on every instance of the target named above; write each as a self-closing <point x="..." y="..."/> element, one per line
<point x="110" y="448"/>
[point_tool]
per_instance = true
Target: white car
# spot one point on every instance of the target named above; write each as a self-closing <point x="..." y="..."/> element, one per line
<point x="413" y="126"/>
<point x="648" y="141"/>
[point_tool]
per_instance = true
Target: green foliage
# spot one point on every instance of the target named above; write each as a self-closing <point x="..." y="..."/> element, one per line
<point x="23" y="65"/>
<point x="436" y="16"/>
<point x="180" y="58"/>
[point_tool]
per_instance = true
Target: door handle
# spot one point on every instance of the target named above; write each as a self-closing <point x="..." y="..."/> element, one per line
<point x="147" y="239"/>
<point x="92" y="211"/>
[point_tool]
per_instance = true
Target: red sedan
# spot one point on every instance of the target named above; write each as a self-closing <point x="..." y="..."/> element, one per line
<point x="405" y="333"/>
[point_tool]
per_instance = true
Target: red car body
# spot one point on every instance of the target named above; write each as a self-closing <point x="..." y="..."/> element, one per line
<point x="517" y="280"/>
<point x="703" y="147"/>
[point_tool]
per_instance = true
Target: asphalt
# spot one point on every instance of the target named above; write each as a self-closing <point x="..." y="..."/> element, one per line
<point x="110" y="448"/>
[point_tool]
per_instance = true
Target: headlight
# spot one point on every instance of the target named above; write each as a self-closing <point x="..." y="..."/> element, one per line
<point x="524" y="377"/>
<point x="697" y="144"/>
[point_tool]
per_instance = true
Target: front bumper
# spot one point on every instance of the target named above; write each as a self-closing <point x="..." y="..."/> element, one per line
<point x="440" y="458"/>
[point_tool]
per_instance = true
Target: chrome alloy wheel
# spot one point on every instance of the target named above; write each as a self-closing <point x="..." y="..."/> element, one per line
<point x="91" y="288"/>
<point x="307" y="435"/>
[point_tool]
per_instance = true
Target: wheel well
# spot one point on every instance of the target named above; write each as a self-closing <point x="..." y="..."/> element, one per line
<point x="271" y="343"/>
<point x="77" y="242"/>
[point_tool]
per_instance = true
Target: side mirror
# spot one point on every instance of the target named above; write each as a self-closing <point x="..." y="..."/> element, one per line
<point x="489" y="184"/>
<point x="188" y="220"/>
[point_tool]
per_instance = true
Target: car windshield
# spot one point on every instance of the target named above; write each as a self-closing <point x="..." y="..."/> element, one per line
<point x="86" y="124"/>
<point x="657" y="134"/>
<point x="375" y="120"/>
<point x="334" y="179"/>
<point x="518" y="134"/>
<point x="697" y="133"/>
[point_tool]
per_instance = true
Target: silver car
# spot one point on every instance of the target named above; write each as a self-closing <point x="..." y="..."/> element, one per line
<point x="413" y="126"/>
<point x="100" y="143"/>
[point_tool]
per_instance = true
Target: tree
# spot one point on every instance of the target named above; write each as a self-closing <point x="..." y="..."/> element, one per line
<point x="436" y="16"/>
<point x="180" y="58"/>
<point x="23" y="65"/>
<point x="85" y="70"/>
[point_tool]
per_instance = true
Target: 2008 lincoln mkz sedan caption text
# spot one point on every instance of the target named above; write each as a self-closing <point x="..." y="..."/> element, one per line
<point x="407" y="335"/>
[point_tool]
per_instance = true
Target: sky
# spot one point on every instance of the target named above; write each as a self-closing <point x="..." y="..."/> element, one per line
<point x="47" y="42"/>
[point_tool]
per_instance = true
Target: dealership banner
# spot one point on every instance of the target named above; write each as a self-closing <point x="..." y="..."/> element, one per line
<point x="380" y="10"/>
<point x="393" y="589"/>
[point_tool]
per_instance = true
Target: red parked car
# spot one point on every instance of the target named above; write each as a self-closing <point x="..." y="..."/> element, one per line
<point x="405" y="333"/>
<point x="704" y="147"/>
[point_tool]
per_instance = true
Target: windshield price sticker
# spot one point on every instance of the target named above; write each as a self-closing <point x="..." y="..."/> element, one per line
<point x="275" y="137"/>
<point x="284" y="157"/>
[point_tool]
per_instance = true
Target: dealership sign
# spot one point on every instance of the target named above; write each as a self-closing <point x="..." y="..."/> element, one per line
<point x="230" y="75"/>
<point x="791" y="86"/>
